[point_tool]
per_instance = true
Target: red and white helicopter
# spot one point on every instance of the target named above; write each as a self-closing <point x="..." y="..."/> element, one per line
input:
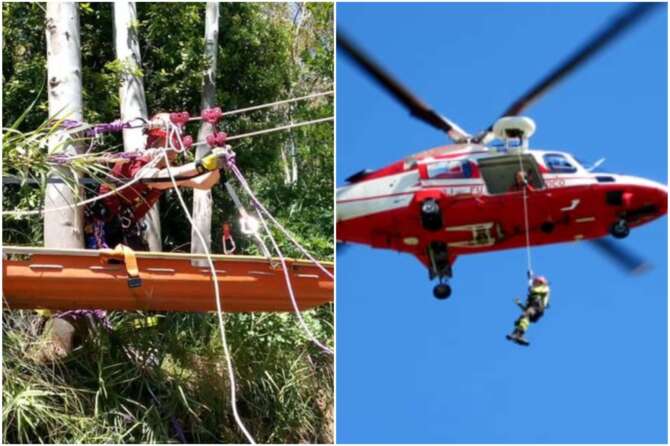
<point x="472" y="197"/>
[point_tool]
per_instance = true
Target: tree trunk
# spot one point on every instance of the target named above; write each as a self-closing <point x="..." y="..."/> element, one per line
<point x="132" y="99"/>
<point x="63" y="229"/>
<point x="291" y="171"/>
<point x="202" y="199"/>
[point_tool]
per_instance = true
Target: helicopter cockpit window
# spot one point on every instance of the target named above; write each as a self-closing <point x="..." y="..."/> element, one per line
<point x="557" y="163"/>
<point x="449" y="170"/>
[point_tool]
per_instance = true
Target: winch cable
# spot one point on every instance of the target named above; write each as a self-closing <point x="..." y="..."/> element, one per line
<point x="219" y="309"/>
<point x="529" y="272"/>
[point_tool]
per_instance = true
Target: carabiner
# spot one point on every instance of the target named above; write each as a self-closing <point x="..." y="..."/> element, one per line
<point x="227" y="241"/>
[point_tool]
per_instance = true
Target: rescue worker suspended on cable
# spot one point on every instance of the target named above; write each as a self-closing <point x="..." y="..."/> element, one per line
<point x="533" y="309"/>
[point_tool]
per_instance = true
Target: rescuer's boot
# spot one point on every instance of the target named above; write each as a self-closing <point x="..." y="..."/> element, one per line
<point x="517" y="337"/>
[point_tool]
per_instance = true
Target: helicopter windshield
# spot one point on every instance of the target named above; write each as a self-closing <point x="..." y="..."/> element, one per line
<point x="559" y="163"/>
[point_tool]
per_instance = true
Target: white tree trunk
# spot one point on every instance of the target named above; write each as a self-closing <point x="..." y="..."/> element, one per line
<point x="285" y="164"/>
<point x="202" y="199"/>
<point x="291" y="172"/>
<point x="132" y="100"/>
<point x="63" y="229"/>
<point x="294" y="155"/>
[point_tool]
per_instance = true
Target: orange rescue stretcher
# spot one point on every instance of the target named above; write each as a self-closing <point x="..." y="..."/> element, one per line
<point x="68" y="279"/>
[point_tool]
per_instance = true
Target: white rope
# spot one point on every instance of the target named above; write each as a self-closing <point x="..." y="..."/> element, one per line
<point x="273" y="104"/>
<point x="219" y="309"/>
<point x="275" y="129"/>
<point x="151" y="164"/>
<point x="288" y="235"/>
<point x="525" y="216"/>
<point x="284" y="127"/>
<point x="172" y="130"/>
<point x="287" y="279"/>
<point x="85" y="126"/>
<point x="258" y="206"/>
<point x="90" y="200"/>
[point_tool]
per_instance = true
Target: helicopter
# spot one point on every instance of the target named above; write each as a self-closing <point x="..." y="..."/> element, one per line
<point x="474" y="196"/>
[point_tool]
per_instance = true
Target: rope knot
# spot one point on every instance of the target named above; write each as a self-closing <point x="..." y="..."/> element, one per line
<point x="229" y="158"/>
<point x="112" y="127"/>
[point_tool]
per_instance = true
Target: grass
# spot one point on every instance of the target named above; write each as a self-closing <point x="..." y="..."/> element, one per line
<point x="168" y="384"/>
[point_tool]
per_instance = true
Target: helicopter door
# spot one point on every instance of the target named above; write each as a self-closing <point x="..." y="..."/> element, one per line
<point x="499" y="172"/>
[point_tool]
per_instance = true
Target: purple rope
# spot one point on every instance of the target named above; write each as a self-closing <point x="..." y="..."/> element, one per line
<point x="128" y="155"/>
<point x="111" y="127"/>
<point x="229" y="158"/>
<point x="59" y="158"/>
<point x="176" y="425"/>
<point x="70" y="123"/>
<point x="99" y="315"/>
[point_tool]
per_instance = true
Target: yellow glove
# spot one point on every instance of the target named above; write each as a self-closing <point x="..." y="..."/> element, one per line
<point x="207" y="163"/>
<point x="210" y="162"/>
<point x="213" y="161"/>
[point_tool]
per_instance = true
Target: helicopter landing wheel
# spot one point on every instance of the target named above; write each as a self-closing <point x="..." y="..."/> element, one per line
<point x="431" y="216"/>
<point x="442" y="291"/>
<point x="620" y="229"/>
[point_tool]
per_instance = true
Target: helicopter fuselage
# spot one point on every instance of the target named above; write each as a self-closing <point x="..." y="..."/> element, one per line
<point x="481" y="202"/>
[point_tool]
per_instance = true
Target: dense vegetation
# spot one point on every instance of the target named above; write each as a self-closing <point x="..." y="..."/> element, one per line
<point x="168" y="383"/>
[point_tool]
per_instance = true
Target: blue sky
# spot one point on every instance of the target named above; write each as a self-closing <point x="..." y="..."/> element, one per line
<point x="414" y="369"/>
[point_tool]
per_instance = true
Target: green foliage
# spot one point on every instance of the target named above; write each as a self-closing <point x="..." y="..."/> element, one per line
<point x="153" y="385"/>
<point x="103" y="393"/>
<point x="23" y="62"/>
<point x="119" y="69"/>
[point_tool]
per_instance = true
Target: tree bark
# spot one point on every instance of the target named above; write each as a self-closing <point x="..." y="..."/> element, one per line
<point x="132" y="99"/>
<point x="202" y="199"/>
<point x="64" y="228"/>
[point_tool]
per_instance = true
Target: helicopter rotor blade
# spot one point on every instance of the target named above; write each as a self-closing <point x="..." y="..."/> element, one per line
<point x="416" y="106"/>
<point x="597" y="43"/>
<point x="623" y="257"/>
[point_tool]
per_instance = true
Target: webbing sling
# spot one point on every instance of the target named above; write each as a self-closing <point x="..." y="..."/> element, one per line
<point x="130" y="261"/>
